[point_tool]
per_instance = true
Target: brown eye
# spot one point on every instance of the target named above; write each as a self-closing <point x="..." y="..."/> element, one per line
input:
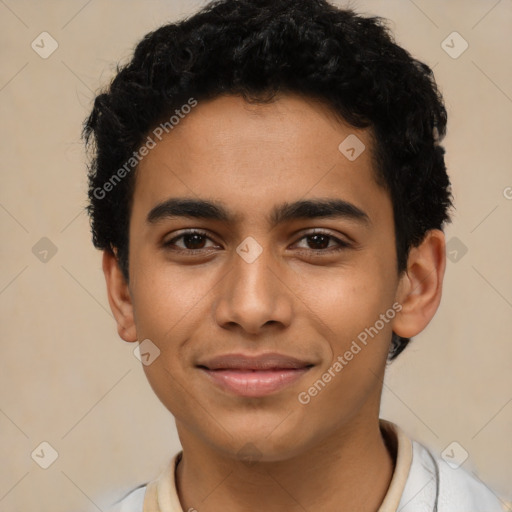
<point x="190" y="241"/>
<point x="323" y="242"/>
<point x="193" y="241"/>
<point x="318" y="241"/>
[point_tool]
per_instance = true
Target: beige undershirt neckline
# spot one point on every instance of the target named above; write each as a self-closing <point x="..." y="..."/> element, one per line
<point x="162" y="495"/>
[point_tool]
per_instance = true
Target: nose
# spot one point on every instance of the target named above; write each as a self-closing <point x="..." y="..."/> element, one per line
<point x="253" y="296"/>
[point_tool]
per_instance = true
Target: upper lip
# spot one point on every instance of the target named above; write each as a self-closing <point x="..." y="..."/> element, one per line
<point x="269" y="361"/>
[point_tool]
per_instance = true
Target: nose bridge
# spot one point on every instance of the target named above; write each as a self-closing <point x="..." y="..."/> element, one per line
<point x="252" y="295"/>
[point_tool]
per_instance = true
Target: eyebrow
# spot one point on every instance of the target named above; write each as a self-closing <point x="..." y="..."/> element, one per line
<point x="303" y="209"/>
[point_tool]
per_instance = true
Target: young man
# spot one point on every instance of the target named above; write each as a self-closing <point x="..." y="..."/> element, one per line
<point x="269" y="191"/>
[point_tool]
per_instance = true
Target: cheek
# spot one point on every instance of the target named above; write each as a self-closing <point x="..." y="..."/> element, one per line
<point x="168" y="309"/>
<point x="348" y="304"/>
<point x="350" y="377"/>
<point x="170" y="305"/>
<point x="345" y="301"/>
<point x="167" y="299"/>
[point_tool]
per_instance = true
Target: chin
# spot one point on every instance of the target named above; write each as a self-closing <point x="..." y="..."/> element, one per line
<point x="265" y="442"/>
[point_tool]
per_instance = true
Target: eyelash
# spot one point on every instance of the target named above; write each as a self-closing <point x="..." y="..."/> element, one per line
<point x="342" y="245"/>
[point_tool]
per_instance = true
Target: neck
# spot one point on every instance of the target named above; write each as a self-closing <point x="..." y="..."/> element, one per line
<point x="350" y="470"/>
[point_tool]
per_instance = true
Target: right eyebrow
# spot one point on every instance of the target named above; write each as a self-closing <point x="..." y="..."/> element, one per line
<point x="188" y="207"/>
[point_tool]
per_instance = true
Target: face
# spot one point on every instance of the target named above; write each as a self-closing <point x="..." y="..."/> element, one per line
<point x="284" y="290"/>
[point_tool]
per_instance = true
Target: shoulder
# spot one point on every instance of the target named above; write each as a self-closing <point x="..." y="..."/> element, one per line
<point x="131" y="502"/>
<point x="432" y="480"/>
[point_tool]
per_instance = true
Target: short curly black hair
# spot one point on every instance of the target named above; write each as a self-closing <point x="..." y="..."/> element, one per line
<point x="258" y="49"/>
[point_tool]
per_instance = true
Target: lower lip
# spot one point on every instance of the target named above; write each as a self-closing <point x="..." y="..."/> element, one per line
<point x="255" y="383"/>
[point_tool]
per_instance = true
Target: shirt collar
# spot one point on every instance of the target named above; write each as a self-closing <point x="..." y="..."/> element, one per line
<point x="163" y="491"/>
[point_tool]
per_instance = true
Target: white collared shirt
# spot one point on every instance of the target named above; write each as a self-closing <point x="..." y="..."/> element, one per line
<point x="420" y="483"/>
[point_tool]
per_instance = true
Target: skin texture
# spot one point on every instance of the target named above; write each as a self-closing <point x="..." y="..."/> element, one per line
<point x="327" y="455"/>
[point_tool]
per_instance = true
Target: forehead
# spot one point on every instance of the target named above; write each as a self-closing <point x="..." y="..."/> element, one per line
<point x="253" y="156"/>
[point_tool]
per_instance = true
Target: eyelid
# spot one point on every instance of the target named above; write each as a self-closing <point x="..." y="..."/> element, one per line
<point x="189" y="231"/>
<point x="340" y="241"/>
<point x="324" y="231"/>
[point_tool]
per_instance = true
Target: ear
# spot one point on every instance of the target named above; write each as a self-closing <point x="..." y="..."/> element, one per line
<point x="119" y="297"/>
<point x="420" y="287"/>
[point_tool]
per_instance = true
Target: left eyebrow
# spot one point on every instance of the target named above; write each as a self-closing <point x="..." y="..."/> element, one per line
<point x="318" y="208"/>
<point x="285" y="212"/>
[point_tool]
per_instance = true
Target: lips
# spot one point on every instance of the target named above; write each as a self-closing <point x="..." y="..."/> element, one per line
<point x="254" y="376"/>
<point x="269" y="361"/>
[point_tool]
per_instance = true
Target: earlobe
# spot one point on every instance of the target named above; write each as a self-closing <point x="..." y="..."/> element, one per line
<point x="420" y="287"/>
<point x="119" y="297"/>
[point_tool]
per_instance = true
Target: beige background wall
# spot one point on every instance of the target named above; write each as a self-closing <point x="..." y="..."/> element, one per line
<point x="66" y="377"/>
